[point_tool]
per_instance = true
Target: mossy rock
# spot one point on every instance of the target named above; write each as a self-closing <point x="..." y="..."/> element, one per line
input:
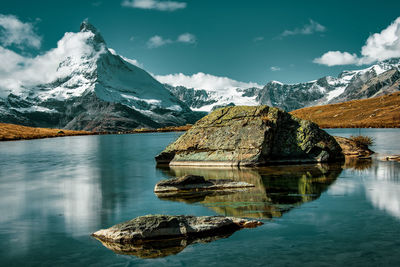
<point x="251" y="136"/>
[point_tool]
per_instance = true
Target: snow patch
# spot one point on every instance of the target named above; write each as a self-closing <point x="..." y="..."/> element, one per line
<point x="335" y="93"/>
<point x="148" y="101"/>
<point x="35" y="109"/>
<point x="175" y="108"/>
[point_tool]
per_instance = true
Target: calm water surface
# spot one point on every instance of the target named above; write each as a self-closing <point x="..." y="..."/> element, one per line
<point x="55" y="192"/>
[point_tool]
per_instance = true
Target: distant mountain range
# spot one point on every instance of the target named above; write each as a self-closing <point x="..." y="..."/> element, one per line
<point x="379" y="79"/>
<point x="95" y="89"/>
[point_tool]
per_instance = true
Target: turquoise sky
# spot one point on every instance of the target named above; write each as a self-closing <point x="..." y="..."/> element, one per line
<point x="241" y="40"/>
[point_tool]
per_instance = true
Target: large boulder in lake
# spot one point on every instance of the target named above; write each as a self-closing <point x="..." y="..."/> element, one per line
<point x="250" y="136"/>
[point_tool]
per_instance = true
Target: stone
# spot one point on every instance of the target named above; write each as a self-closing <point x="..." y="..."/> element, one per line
<point x="162" y="227"/>
<point x="391" y="158"/>
<point x="352" y="149"/>
<point x="251" y="136"/>
<point x="190" y="183"/>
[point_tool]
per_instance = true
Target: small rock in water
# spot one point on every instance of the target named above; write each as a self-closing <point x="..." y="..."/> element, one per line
<point x="391" y="158"/>
<point x="162" y="235"/>
<point x="149" y="227"/>
<point x="352" y="149"/>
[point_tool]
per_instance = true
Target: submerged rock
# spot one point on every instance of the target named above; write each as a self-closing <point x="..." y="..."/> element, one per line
<point x="250" y="136"/>
<point x="190" y="183"/>
<point x="151" y="227"/>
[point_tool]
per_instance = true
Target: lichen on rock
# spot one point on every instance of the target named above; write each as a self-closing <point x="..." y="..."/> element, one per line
<point x="251" y="136"/>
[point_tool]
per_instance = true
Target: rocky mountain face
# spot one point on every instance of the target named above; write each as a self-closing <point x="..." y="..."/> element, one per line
<point x="193" y="98"/>
<point x="379" y="79"/>
<point x="94" y="89"/>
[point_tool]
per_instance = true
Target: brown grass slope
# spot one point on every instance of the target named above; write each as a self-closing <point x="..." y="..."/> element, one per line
<point x="377" y="112"/>
<point x="18" y="132"/>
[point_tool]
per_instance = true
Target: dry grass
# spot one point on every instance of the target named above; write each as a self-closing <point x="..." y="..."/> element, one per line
<point x="362" y="140"/>
<point x="164" y="129"/>
<point x="18" y="132"/>
<point x="377" y="112"/>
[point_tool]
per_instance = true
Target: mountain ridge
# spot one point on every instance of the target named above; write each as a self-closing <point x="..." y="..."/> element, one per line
<point x="325" y="90"/>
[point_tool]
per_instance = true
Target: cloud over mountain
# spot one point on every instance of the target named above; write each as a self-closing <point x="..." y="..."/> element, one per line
<point x="205" y="81"/>
<point x="17" y="71"/>
<point x="379" y="46"/>
<point x="15" y="32"/>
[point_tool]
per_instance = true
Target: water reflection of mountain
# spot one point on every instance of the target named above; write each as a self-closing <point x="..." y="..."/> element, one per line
<point x="277" y="189"/>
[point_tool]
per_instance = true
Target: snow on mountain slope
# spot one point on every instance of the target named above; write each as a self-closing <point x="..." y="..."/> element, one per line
<point x="81" y="81"/>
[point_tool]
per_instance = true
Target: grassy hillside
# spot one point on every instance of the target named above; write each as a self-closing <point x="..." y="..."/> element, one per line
<point x="377" y="112"/>
<point x="10" y="132"/>
<point x="18" y="132"/>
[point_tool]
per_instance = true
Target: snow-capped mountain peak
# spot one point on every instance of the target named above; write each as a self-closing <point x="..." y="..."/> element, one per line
<point x="80" y="68"/>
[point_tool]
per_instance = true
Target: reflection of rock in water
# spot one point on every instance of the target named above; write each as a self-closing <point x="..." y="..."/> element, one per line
<point x="277" y="189"/>
<point x="158" y="248"/>
<point x="357" y="164"/>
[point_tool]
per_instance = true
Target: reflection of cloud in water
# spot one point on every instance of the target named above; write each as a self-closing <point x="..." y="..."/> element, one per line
<point x="81" y="201"/>
<point x="385" y="196"/>
<point x="277" y="189"/>
<point x="343" y="186"/>
<point x="378" y="180"/>
<point x="384" y="189"/>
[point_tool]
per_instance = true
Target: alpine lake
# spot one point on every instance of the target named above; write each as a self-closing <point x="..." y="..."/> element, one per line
<point x="55" y="192"/>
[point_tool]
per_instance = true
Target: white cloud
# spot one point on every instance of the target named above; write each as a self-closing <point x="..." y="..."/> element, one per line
<point x="307" y="29"/>
<point x="129" y="60"/>
<point x="275" y="68"/>
<point x="158" y="41"/>
<point x="258" y="39"/>
<point x="379" y="46"/>
<point x="205" y="81"/>
<point x="154" y="4"/>
<point x="15" y="32"/>
<point x="333" y="58"/>
<point x="187" y="38"/>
